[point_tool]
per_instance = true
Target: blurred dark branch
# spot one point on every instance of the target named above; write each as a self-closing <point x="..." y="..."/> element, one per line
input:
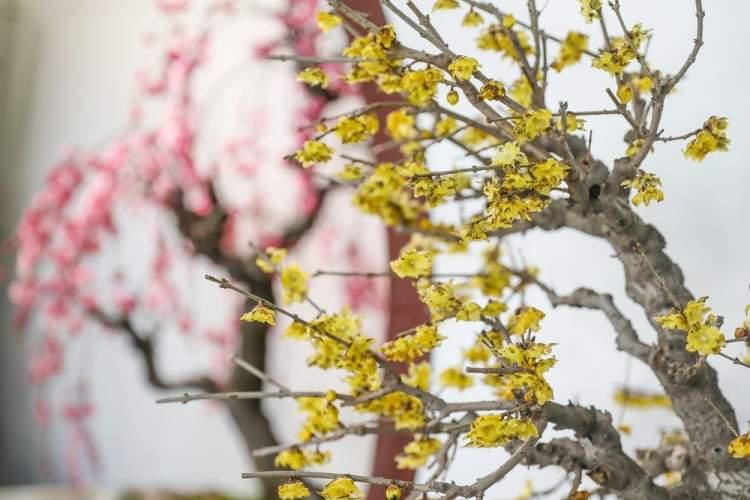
<point x="143" y="344"/>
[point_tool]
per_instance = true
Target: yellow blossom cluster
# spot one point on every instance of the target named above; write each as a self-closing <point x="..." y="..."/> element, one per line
<point x="571" y="50"/>
<point x="342" y="488"/>
<point x="526" y="380"/>
<point x="463" y="67"/>
<point x="371" y="53"/>
<point x="502" y="38"/>
<point x="407" y="411"/>
<point x="410" y="347"/>
<point x="590" y="9"/>
<point x="456" y="378"/>
<point x="294" y="283"/>
<point x="413" y="263"/>
<point x="313" y="152"/>
<point x="472" y="19"/>
<point x="296" y="459"/>
<point x="526" y="319"/>
<point x="338" y="343"/>
<point x="713" y="137"/>
<point x="327" y="21"/>
<point x="357" y="128"/>
<point x="418" y="376"/>
<point x="622" y="52"/>
<point x="384" y="193"/>
<point x="314" y="76"/>
<point x="641" y="400"/>
<point x="293" y="491"/>
<point x="647" y="187"/>
<point x="322" y="417"/>
<point x="269" y="260"/>
<point x="696" y="319"/>
<point x="261" y="314"/>
<point x="417" y="452"/>
<point x="739" y="447"/>
<point x="489" y="431"/>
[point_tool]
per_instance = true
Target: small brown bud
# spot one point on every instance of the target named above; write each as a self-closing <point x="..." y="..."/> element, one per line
<point x="740" y="333"/>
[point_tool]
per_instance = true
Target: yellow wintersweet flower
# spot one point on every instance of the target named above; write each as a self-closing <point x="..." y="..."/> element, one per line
<point x="642" y="84"/>
<point x="504" y="40"/>
<point x="477" y="353"/>
<point x="322" y="416"/>
<point x="445" y="5"/>
<point x="386" y="36"/>
<point x="522" y="91"/>
<point x="494" y="308"/>
<point x="571" y="50"/>
<point x="648" y="187"/>
<point x="261" y="314"/>
<point x="493" y="90"/>
<point x="293" y="491"/>
<point x="531" y="365"/>
<point x="294" y="283"/>
<point x="509" y="154"/>
<point x="573" y="124"/>
<point x="533" y="124"/>
<point x="463" y="67"/>
<point x="625" y="93"/>
<point x="342" y="488"/>
<point x="437" y="190"/>
<point x="392" y="492"/>
<point x="327" y="21"/>
<point x="703" y="336"/>
<point x="497" y="430"/>
<point x="410" y="347"/>
<point x="417" y="452"/>
<point x="739" y="447"/>
<point x="470" y="311"/>
<point x="350" y="172"/>
<point x="406" y="411"/>
<point x="712" y="138"/>
<point x="421" y="85"/>
<point x="446" y="126"/>
<point x="418" y="375"/>
<point x="383" y="194"/>
<point x="313" y="152"/>
<point x="440" y="298"/>
<point x="641" y="400"/>
<point x="475" y="137"/>
<point x="634" y="147"/>
<point x="472" y="19"/>
<point x="358" y="128"/>
<point x="296" y="331"/>
<point x="315" y="77"/>
<point x="456" y="378"/>
<point x="400" y="124"/>
<point x="273" y="257"/>
<point x="293" y="459"/>
<point x="548" y="175"/>
<point x="610" y="61"/>
<point x="590" y="9"/>
<point x="276" y="255"/>
<point x="413" y="263"/>
<point x="526" y="319"/>
<point x="452" y="97"/>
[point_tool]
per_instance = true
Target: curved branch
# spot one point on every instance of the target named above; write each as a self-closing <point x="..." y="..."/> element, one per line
<point x="627" y="338"/>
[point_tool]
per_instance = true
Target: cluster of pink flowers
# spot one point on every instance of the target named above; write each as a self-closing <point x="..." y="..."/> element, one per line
<point x="82" y="211"/>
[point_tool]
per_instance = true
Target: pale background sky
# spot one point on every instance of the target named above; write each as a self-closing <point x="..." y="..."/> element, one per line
<point x="70" y="81"/>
